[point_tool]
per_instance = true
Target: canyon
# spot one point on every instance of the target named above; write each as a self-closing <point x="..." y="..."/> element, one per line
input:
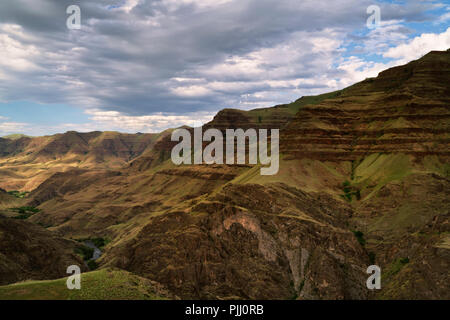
<point x="363" y="180"/>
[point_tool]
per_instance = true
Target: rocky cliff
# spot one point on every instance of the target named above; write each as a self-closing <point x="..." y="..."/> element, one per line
<point x="404" y="110"/>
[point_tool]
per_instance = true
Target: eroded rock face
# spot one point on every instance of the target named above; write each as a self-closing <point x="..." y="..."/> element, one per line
<point x="28" y="251"/>
<point x="406" y="226"/>
<point x="404" y="110"/>
<point x="263" y="245"/>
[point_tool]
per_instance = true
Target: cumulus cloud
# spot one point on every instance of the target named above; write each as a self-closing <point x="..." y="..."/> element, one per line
<point x="419" y="46"/>
<point x="150" y="123"/>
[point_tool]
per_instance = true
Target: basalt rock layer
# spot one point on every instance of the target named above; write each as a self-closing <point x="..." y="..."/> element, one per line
<point x="405" y="109"/>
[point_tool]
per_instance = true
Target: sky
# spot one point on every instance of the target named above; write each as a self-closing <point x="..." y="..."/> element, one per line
<point x="145" y="66"/>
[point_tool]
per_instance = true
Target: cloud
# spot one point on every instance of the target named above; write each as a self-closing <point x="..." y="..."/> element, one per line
<point x="419" y="46"/>
<point x="149" y="123"/>
<point x="100" y="120"/>
<point x="12" y="127"/>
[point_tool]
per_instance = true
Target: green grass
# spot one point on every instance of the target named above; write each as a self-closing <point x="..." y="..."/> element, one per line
<point x="377" y="170"/>
<point x="104" y="284"/>
<point x="311" y="100"/>
<point x="263" y="115"/>
<point x="396" y="266"/>
<point x="18" y="194"/>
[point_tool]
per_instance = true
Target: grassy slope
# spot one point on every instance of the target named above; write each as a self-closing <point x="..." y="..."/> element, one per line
<point x="104" y="284"/>
<point x="262" y="115"/>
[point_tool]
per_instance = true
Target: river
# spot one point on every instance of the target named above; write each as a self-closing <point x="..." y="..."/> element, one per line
<point x="97" y="251"/>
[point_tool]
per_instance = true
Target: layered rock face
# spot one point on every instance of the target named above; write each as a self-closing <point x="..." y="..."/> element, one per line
<point x="92" y="146"/>
<point x="405" y="109"/>
<point x="276" y="117"/>
<point x="27" y="162"/>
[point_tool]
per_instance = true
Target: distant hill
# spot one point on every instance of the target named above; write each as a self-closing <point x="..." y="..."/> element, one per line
<point x="15" y="136"/>
<point x="40" y="157"/>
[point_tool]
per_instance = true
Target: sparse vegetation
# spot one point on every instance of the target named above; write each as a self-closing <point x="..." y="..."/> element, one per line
<point x="360" y="237"/>
<point x="92" y="265"/>
<point x="396" y="266"/>
<point x="85" y="252"/>
<point x="43" y="225"/>
<point x="24" y="212"/>
<point x="104" y="284"/>
<point x="98" y="242"/>
<point x="350" y="191"/>
<point x="19" y="194"/>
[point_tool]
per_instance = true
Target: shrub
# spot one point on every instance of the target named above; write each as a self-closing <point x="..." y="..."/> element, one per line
<point x="349" y="191"/>
<point x="85" y="252"/>
<point x="22" y="216"/>
<point x="99" y="242"/>
<point x="18" y="194"/>
<point x="92" y="264"/>
<point x="360" y="237"/>
<point x="404" y="260"/>
<point x="26" y="209"/>
<point x="24" y="212"/>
